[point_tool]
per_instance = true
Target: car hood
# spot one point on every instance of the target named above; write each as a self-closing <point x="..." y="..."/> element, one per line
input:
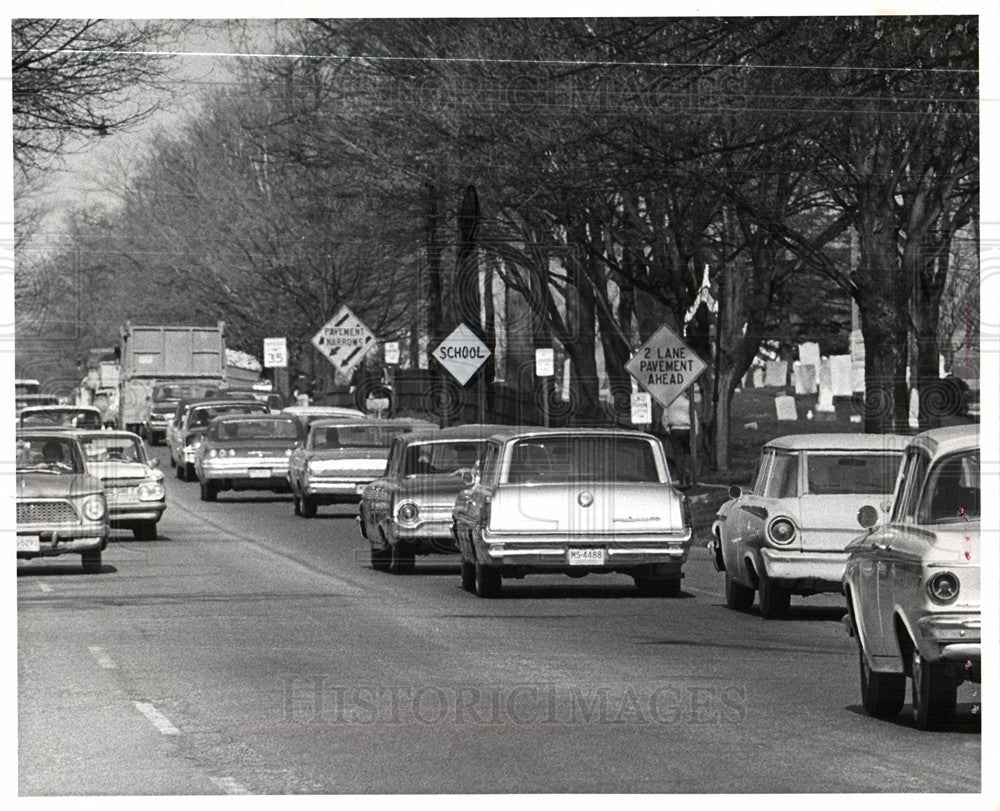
<point x="62" y="485"/>
<point x="114" y="470"/>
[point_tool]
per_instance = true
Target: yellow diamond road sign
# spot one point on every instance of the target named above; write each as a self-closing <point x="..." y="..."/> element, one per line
<point x="462" y="353"/>
<point x="344" y="340"/>
<point x="665" y="366"/>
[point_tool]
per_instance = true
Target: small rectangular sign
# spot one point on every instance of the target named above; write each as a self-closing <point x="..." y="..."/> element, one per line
<point x="642" y="408"/>
<point x="391" y="352"/>
<point x="275" y="353"/>
<point x="545" y="362"/>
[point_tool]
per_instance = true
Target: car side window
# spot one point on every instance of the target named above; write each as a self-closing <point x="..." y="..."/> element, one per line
<point x="912" y="480"/>
<point x="761" y="480"/>
<point x="488" y="467"/>
<point x="783" y="479"/>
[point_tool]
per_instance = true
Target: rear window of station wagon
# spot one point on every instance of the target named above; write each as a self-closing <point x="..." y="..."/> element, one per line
<point x="540" y="460"/>
<point x="842" y="474"/>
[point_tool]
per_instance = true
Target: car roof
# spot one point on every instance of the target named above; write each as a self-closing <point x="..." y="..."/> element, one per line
<point x="333" y="411"/>
<point x="347" y="422"/>
<point x="839" y="442"/>
<point x="481" y="431"/>
<point x="509" y="432"/>
<point x="940" y="441"/>
<point x="216" y="401"/>
<point x="61" y="407"/>
<point x="24" y="433"/>
<point x="255" y="418"/>
<point x="91" y="432"/>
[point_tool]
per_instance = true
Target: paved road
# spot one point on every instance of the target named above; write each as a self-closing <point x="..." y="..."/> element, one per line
<point x="249" y="650"/>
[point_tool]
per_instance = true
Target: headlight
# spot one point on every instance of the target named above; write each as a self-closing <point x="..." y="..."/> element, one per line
<point x="288" y="451"/>
<point x="781" y="531"/>
<point x="213" y="453"/>
<point x="407" y="512"/>
<point x="93" y="508"/>
<point x="151" y="491"/>
<point x="943" y="588"/>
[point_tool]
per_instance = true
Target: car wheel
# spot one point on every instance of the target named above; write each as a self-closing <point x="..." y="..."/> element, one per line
<point x="146" y="531"/>
<point x="296" y="505"/>
<point x="189" y="474"/>
<point x="658" y="586"/>
<point x="403" y="559"/>
<point x="381" y="559"/>
<point x="882" y="694"/>
<point x="468" y="576"/>
<point x="774" y="599"/>
<point x="91" y="561"/>
<point x="738" y="596"/>
<point x="934" y="692"/>
<point x="209" y="491"/>
<point x="487" y="580"/>
<point x="308" y="507"/>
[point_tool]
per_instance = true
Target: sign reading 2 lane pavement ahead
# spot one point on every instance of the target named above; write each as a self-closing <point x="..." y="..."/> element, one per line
<point x="462" y="353"/>
<point x="665" y="366"/>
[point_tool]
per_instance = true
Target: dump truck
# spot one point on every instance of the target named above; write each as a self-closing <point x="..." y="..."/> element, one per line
<point x="155" y="355"/>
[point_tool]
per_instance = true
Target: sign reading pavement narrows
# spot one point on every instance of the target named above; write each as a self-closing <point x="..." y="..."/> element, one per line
<point x="462" y="353"/>
<point x="665" y="366"/>
<point x="344" y="340"/>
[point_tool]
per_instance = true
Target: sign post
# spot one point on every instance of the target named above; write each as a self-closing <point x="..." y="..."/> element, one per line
<point x="276" y="357"/>
<point x="666" y="367"/>
<point x="544" y="369"/>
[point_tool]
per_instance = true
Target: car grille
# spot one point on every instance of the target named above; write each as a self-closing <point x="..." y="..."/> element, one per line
<point x="46" y="512"/>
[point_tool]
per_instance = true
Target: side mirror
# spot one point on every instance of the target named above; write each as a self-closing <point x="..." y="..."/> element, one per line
<point x="735" y="491"/>
<point x="868" y="516"/>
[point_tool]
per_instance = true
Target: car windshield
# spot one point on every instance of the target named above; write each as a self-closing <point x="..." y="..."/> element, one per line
<point x="848" y="473"/>
<point x="584" y="458"/>
<point x="47" y="455"/>
<point x="952" y="491"/>
<point x="70" y="417"/>
<point x="440" y="457"/>
<point x="111" y="449"/>
<point x="233" y="430"/>
<point x="201" y="417"/>
<point x="355" y="436"/>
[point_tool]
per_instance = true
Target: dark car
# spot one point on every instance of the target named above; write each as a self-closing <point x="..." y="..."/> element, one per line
<point x="60" y="416"/>
<point x="246" y="452"/>
<point x="407" y="512"/>
<point x="61" y="509"/>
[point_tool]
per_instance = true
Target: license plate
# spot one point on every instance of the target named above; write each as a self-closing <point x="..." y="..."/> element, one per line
<point x="28" y="543"/>
<point x="259" y="474"/>
<point x="585" y="557"/>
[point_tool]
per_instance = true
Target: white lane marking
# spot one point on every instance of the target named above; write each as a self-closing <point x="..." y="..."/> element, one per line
<point x="228" y="785"/>
<point x="160" y="721"/>
<point x="702" y="591"/>
<point x="102" y="658"/>
<point x="44" y="587"/>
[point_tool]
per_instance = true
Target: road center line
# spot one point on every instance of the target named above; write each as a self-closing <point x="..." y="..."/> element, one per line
<point x="44" y="587"/>
<point x="102" y="658"/>
<point x="228" y="785"/>
<point x="160" y="721"/>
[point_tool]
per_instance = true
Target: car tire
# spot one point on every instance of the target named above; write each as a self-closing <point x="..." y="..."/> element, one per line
<point x="296" y="505"/>
<point x="488" y="581"/>
<point x="468" y="576"/>
<point x="179" y="470"/>
<point x="934" y="693"/>
<point x="189" y="473"/>
<point x="307" y="504"/>
<point x="91" y="562"/>
<point x="146" y="531"/>
<point x="381" y="559"/>
<point x="774" y="599"/>
<point x="209" y="491"/>
<point x="403" y="559"/>
<point x="882" y="694"/>
<point x="658" y="586"/>
<point x="738" y="596"/>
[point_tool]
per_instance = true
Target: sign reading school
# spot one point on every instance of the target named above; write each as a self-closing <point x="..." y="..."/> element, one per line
<point x="665" y="366"/>
<point x="344" y="340"/>
<point x="462" y="353"/>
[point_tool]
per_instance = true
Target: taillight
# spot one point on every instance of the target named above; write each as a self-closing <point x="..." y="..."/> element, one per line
<point x="943" y="588"/>
<point x="686" y="512"/>
<point x="484" y="515"/>
<point x="781" y="531"/>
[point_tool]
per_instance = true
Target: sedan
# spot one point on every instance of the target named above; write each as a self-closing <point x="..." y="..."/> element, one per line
<point x="133" y="485"/>
<point x="247" y="452"/>
<point x="576" y="502"/>
<point x="912" y="585"/>
<point x="407" y="512"/>
<point x="788" y="533"/>
<point x="339" y="459"/>
<point x="61" y="508"/>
